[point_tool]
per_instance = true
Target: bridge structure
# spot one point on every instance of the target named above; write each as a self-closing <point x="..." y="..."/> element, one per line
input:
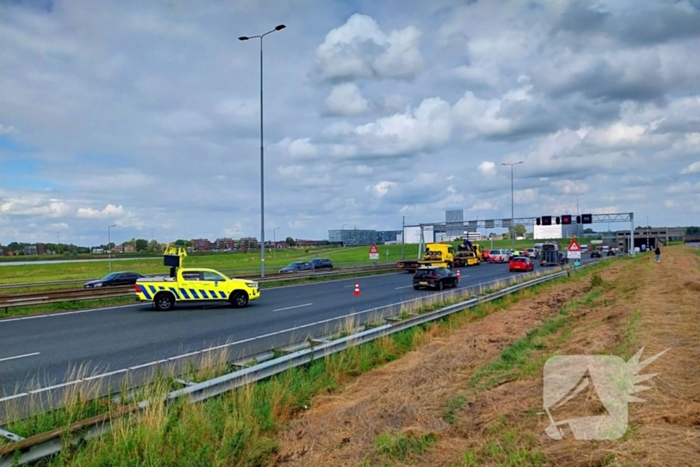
<point x="507" y="223"/>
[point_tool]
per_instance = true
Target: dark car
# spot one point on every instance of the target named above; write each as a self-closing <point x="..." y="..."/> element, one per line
<point x="113" y="279"/>
<point x="595" y="254"/>
<point x="297" y="266"/>
<point x="434" y="278"/>
<point x="321" y="263"/>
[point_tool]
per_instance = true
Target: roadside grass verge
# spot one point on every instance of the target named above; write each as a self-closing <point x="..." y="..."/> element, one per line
<point x="239" y="428"/>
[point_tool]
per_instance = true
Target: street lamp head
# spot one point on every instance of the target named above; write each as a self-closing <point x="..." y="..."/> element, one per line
<point x="280" y="27"/>
<point x="113" y="225"/>
<point x="243" y="38"/>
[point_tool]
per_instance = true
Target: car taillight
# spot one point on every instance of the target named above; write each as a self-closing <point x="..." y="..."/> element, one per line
<point x="432" y="276"/>
<point x="137" y="288"/>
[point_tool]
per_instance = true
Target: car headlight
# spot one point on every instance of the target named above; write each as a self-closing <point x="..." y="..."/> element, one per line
<point x="252" y="285"/>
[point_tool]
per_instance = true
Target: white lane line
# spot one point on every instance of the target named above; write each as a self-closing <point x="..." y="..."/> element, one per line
<point x="404" y="287"/>
<point x="56" y="386"/>
<point x="292" y="307"/>
<point x="19" y="356"/>
<point x="14" y="396"/>
<point x="64" y="313"/>
<point x="104" y="374"/>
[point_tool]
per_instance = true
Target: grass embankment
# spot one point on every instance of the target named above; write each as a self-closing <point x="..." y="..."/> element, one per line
<point x="243" y="426"/>
<point x="475" y="397"/>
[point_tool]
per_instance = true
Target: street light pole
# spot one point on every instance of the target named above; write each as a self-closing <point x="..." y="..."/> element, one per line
<point x="262" y="151"/>
<point x="274" y="243"/>
<point x="512" y="203"/>
<point x="109" y="249"/>
<point x="578" y="227"/>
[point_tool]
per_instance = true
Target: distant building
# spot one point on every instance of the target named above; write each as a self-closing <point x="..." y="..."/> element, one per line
<point x="248" y="243"/>
<point x="96" y="250"/>
<point x="129" y="249"/>
<point x="3" y="251"/>
<point x="201" y="244"/>
<point x="30" y="250"/>
<point x="543" y="232"/>
<point x="650" y="237"/>
<point x="300" y="242"/>
<point x="356" y="237"/>
<point x="223" y="244"/>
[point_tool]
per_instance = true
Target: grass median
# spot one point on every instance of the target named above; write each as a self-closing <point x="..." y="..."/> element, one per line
<point x="242" y="427"/>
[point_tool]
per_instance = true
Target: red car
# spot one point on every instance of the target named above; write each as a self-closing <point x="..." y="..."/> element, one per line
<point x="521" y="263"/>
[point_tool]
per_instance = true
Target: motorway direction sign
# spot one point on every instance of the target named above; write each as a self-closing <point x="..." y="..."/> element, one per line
<point x="373" y="252"/>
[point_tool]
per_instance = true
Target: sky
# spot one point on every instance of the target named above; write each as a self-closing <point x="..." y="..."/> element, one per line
<point x="145" y="115"/>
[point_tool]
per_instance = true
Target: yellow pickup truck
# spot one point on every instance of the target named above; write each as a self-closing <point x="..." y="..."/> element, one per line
<point x="191" y="285"/>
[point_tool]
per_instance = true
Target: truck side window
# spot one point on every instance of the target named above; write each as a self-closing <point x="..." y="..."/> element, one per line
<point x="211" y="276"/>
<point x="192" y="276"/>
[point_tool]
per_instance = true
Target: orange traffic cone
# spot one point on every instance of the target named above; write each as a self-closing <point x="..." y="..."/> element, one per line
<point x="357" y="288"/>
<point x="459" y="274"/>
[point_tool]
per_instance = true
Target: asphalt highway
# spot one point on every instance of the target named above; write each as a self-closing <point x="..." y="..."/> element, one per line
<point x="39" y="351"/>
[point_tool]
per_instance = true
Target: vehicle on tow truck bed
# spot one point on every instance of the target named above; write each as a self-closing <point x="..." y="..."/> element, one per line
<point x="436" y="254"/>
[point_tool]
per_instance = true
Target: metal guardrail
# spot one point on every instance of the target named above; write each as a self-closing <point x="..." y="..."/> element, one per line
<point x="78" y="294"/>
<point x="45" y="444"/>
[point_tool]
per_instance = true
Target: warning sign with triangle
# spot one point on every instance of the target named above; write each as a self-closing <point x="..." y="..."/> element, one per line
<point x="373" y="249"/>
<point x="574" y="246"/>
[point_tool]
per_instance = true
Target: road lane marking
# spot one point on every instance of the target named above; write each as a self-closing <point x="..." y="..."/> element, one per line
<point x="56" y="386"/>
<point x="14" y="396"/>
<point x="19" y="356"/>
<point x="403" y="287"/>
<point x="64" y="313"/>
<point x="292" y="307"/>
<point x="104" y="374"/>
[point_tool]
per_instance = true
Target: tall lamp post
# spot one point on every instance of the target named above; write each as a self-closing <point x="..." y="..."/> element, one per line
<point x="274" y="243"/>
<point x="109" y="249"/>
<point x="512" y="203"/>
<point x="262" y="164"/>
<point x="578" y="227"/>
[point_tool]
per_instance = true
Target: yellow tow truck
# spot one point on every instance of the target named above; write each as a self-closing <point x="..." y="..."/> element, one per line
<point x="468" y="254"/>
<point x="192" y="285"/>
<point x="436" y="254"/>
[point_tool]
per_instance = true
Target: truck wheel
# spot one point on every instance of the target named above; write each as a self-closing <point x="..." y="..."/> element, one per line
<point x="239" y="299"/>
<point x="164" y="301"/>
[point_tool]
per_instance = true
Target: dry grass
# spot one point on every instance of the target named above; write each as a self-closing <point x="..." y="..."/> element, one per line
<point x="477" y="390"/>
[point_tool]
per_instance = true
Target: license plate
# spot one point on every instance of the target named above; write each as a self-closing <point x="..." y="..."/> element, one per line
<point x="423" y="283"/>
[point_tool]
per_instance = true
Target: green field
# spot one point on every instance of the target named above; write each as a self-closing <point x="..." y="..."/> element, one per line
<point x="239" y="261"/>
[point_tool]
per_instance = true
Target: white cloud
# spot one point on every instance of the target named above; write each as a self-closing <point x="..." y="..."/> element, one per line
<point x="487" y="168"/>
<point x="691" y="169"/>
<point x="346" y="99"/>
<point x="109" y="211"/>
<point x="482" y="206"/>
<point x="381" y="188"/>
<point x="360" y="49"/>
<point x="7" y="129"/>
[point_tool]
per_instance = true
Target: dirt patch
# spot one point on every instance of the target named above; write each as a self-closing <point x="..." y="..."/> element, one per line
<point x="428" y="391"/>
